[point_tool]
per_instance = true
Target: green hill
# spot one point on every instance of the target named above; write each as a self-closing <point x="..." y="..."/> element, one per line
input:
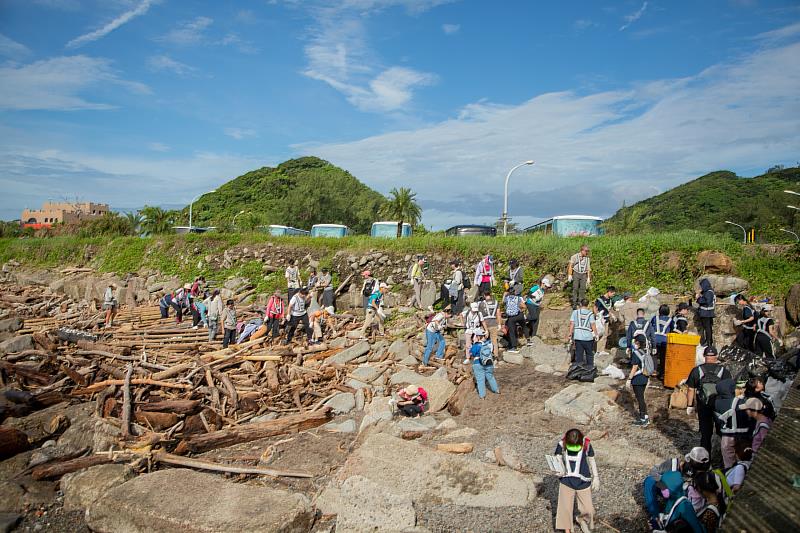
<point x="299" y="193"/>
<point x="706" y="203"/>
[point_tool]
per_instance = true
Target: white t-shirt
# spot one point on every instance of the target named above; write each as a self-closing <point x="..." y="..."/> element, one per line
<point x="437" y="323"/>
<point x="292" y="277"/>
<point x="736" y="475"/>
<point x="297" y="305"/>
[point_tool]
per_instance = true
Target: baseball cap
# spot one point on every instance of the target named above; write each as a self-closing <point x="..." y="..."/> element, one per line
<point x="751" y="403"/>
<point x="474" y="306"/>
<point x="710" y="351"/>
<point x="366" y="273"/>
<point x="383" y="286"/>
<point x="697" y="454"/>
<point x="478" y="331"/>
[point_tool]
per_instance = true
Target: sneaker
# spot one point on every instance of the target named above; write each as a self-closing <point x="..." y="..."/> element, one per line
<point x="465" y="362"/>
<point x="645" y="422"/>
<point x="638" y="422"/>
<point x="515" y="350"/>
<point x="195" y="327"/>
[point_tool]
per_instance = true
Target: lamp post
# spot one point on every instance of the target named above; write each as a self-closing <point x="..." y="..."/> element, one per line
<point x="791" y="233"/>
<point x="236" y="215"/>
<point x="190" y="207"/>
<point x="744" y="231"/>
<point x="505" y="196"/>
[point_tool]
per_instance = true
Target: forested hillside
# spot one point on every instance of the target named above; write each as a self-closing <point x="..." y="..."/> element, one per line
<point x="300" y="192"/>
<point x="706" y="203"/>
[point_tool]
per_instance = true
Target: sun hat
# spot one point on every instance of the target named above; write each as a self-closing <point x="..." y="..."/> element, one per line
<point x="698" y="454"/>
<point x="751" y="403"/>
<point x="411" y="390"/>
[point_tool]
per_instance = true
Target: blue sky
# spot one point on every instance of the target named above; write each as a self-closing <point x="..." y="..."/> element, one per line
<point x="135" y="102"/>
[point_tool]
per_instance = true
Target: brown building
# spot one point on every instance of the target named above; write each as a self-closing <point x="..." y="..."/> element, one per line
<point x="61" y="213"/>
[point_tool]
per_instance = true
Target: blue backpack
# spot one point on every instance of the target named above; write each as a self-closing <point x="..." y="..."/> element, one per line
<point x="486" y="354"/>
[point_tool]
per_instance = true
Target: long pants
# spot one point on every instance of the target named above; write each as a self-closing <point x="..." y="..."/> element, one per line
<point x="661" y="354"/>
<point x="484" y="375"/>
<point x="483" y="288"/>
<point x="584" y="354"/>
<point x="213" y="327"/>
<point x="294" y="321"/>
<point x="746" y="339"/>
<point x="492" y="331"/>
<point x="457" y="302"/>
<point x="579" y="283"/>
<point x="164" y="308"/>
<point x="727" y="447"/>
<point x="412" y="409"/>
<point x="650" y="498"/>
<point x="638" y="392"/>
<point x="371" y="318"/>
<point x="327" y="297"/>
<point x="274" y="325"/>
<point x="707" y="330"/>
<point x="511" y="323"/>
<point x="229" y="337"/>
<point x="705" y="419"/>
<point x="291" y="292"/>
<point x="417" y="299"/>
<point x="566" y="504"/>
<point x="196" y="317"/>
<point x="532" y="322"/>
<point x="433" y="338"/>
<point x="763" y="346"/>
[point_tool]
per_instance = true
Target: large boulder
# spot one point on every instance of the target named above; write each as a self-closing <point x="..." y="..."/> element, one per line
<point x="349" y="354"/>
<point x="181" y="500"/>
<point x="16" y="344"/>
<point x="793" y="305"/>
<point x="367" y="506"/>
<point x="724" y="285"/>
<point x="714" y="262"/>
<point x="411" y="470"/>
<point x="582" y="403"/>
<point x="437" y="385"/>
<point x="10" y="325"/>
<point x="83" y="488"/>
<point x="341" y="403"/>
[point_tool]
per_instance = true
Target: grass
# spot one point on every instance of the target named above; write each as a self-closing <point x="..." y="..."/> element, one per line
<point x="632" y="262"/>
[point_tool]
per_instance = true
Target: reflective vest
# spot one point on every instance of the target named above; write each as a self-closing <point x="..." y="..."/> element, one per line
<point x="662" y="325"/>
<point x="572" y="464"/>
<point x="750" y="325"/>
<point x="491" y="309"/>
<point x="681" y="322"/>
<point x="584" y="320"/>
<point x="710" y="306"/>
<point x="763" y="325"/>
<point x="473" y="320"/>
<point x="730" y="423"/>
<point x="664" y="518"/>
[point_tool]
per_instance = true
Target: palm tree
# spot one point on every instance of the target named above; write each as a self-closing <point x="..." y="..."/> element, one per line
<point x="134" y="220"/>
<point x="403" y="207"/>
<point x="156" y="220"/>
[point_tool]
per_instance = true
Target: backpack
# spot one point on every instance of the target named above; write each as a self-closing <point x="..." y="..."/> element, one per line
<point x="648" y="364"/>
<point x="368" y="288"/>
<point x="465" y="281"/>
<point x="641" y="329"/>
<point x="708" y="384"/>
<point x="486" y="354"/>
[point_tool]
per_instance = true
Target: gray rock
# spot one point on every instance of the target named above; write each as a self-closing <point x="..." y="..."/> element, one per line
<point x="234" y="284"/>
<point x="439" y="389"/>
<point x="399" y="349"/>
<point x="8" y="521"/>
<point x="263" y="418"/>
<point x="158" y="502"/>
<point x="360" y="399"/>
<point x="447" y="424"/>
<point x="580" y="403"/>
<point x="376" y="411"/>
<point x="366" y="374"/>
<point x="423" y="424"/>
<point x="17" y="344"/>
<point x="12" y="497"/>
<point x="405" y="376"/>
<point x="544" y="368"/>
<point x="367" y="506"/>
<point x="10" y="325"/>
<point x="724" y="285"/>
<point x="349" y="354"/>
<point x="83" y="488"/>
<point x="342" y="403"/>
<point x="513" y="358"/>
<point x="460" y="434"/>
<point x="357" y="384"/>
<point x="338" y="342"/>
<point x="346" y="426"/>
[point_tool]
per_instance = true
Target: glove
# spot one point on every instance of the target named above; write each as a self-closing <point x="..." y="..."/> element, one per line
<point x="628" y="385"/>
<point x="569" y="279"/>
<point x="737" y="322"/>
<point x="595" y="475"/>
<point x="595" y="484"/>
<point x="627" y="351"/>
<point x="690" y="411"/>
<point x="653" y="351"/>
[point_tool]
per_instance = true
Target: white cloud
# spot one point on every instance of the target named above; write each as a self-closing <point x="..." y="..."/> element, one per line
<point x="159" y="147"/>
<point x="11" y="48"/>
<point x="781" y="34"/>
<point x="56" y="83"/>
<point x="164" y="62"/>
<point x="583" y="24"/>
<point x="592" y="151"/>
<point x="239" y="133"/>
<point x="124" y="18"/>
<point x="188" y="32"/>
<point x="633" y="17"/>
<point x="233" y="39"/>
<point x="451" y="29"/>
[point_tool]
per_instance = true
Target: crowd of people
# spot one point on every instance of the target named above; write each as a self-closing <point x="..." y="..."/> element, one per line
<point x="681" y="494"/>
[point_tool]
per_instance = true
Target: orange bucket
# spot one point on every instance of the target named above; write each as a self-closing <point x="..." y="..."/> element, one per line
<point x="680" y="359"/>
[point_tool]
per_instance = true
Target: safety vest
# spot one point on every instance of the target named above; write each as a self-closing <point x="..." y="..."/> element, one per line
<point x="572" y="464"/>
<point x="605" y="308"/>
<point x="710" y="306"/>
<point x="584" y="320"/>
<point x="750" y="325"/>
<point x="681" y="322"/>
<point x="473" y="320"/>
<point x="662" y="325"/>
<point x="581" y="266"/>
<point x="763" y="325"/>
<point x="491" y="309"/>
<point x="641" y="329"/>
<point x="730" y="416"/>
<point x="275" y="308"/>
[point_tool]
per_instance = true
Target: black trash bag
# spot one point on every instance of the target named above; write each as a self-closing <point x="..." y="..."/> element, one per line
<point x="575" y="371"/>
<point x="589" y="375"/>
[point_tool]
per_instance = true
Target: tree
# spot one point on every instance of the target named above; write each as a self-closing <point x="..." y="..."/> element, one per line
<point x="403" y="207"/>
<point x="156" y="220"/>
<point x="134" y="220"/>
<point x="512" y="227"/>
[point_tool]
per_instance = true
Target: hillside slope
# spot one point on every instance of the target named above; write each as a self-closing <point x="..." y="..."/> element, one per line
<point x="706" y="203"/>
<point x="299" y="192"/>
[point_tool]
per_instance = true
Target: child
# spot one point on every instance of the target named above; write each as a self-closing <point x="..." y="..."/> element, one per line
<point x="755" y="410"/>
<point x="579" y="479"/>
<point x="229" y="324"/>
<point x="736" y="474"/>
<point x="413" y="401"/>
<point x="482" y="355"/>
<point x="317" y="319"/>
<point x="710" y="514"/>
<point x="472" y="322"/>
<point x="638" y="380"/>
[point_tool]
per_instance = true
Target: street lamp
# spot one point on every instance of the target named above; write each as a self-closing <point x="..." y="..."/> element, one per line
<point x="791" y="233"/>
<point x="190" y="207"/>
<point x="792" y="192"/>
<point x="744" y="231"/>
<point x="236" y="215"/>
<point x="505" y="196"/>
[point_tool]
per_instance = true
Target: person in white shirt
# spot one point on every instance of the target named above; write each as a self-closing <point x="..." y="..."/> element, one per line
<point x="110" y="304"/>
<point x="215" y="308"/>
<point x="472" y="323"/>
<point x="579" y="272"/>
<point x="434" y="335"/>
<point x="292" y="275"/>
<point x="297" y="312"/>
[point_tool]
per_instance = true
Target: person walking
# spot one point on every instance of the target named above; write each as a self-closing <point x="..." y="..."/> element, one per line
<point x="706" y="302"/>
<point x="434" y="335"/>
<point x="579" y="273"/>
<point x="482" y="356"/>
<point x="583" y="330"/>
<point x="215" y="310"/>
<point x="110" y="305"/>
<point x="368" y="287"/>
<point x="746" y="336"/>
<point x="732" y="423"/>
<point x="579" y="478"/>
<point x="274" y="313"/>
<point x="515" y="317"/>
<point x="640" y="326"/>
<point x="417" y="275"/>
<point x="515" y="275"/>
<point x="484" y="275"/>
<point x="375" y="313"/>
<point x="297" y="313"/>
<point x="490" y="319"/>
<point x="702" y="383"/>
<point x="766" y="333"/>
<point x="602" y="310"/>
<point x="293" y="281"/>
<point x="456" y="288"/>
<point x="637" y="379"/>
<point x="229" y="324"/>
<point x="311" y="285"/>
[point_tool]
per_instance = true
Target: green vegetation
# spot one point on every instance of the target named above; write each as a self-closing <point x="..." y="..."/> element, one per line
<point x="631" y="262"/>
<point x="300" y="193"/>
<point x="403" y="207"/>
<point x="706" y="203"/>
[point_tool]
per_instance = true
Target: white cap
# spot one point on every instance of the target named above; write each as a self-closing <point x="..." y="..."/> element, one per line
<point x="478" y="331"/>
<point x="546" y="282"/>
<point x="474" y="306"/>
<point x="766" y="307"/>
<point x="383" y="286"/>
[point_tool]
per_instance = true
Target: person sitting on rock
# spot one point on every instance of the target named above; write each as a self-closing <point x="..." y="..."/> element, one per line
<point x="482" y="355"/>
<point x="413" y="401"/>
<point x="697" y="460"/>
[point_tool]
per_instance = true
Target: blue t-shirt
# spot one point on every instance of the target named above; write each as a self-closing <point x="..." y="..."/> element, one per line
<point x="374" y="297"/>
<point x="582" y="317"/>
<point x="574" y="482"/>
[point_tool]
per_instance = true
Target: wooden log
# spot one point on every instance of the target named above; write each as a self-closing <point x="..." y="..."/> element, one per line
<point x="180" y="407"/>
<point x="100" y="385"/>
<point x="251" y="432"/>
<point x="173" y="371"/>
<point x="455" y="447"/>
<point x="12" y="442"/>
<point x="26" y="372"/>
<point x="167" y="458"/>
<point x="457" y="402"/>
<point x="156" y="420"/>
<point x="56" y="469"/>
<point x="126" y="402"/>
